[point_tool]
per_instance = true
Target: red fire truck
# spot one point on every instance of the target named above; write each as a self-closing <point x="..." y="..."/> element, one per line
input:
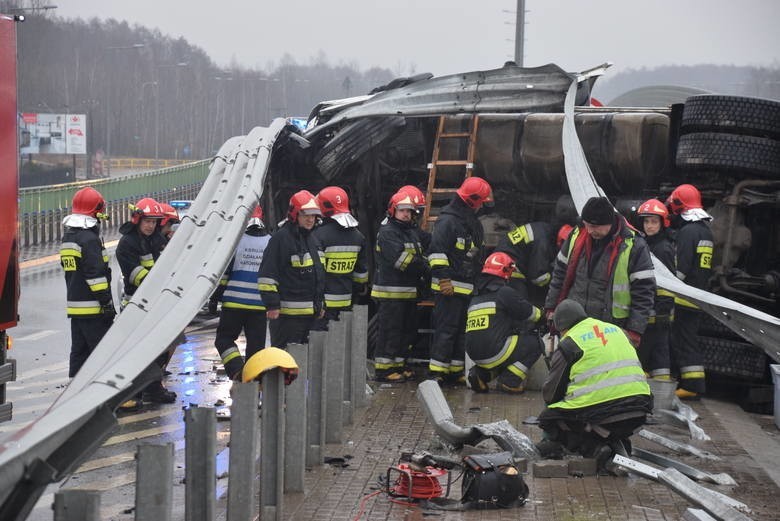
<point x="9" y="194"/>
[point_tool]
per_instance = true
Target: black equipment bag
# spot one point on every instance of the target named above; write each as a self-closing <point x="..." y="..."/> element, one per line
<point x="493" y="481"/>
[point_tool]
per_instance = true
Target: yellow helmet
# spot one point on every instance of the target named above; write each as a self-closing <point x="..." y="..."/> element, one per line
<point x="267" y="359"/>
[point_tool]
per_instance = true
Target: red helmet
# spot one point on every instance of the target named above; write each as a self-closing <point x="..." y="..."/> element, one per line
<point x="499" y="264"/>
<point x="418" y="197"/>
<point x="333" y="200"/>
<point x="654" y="207"/>
<point x="88" y="201"/>
<point x="563" y="234"/>
<point x="146" y="208"/>
<point x="303" y="203"/>
<point x="256" y="219"/>
<point x="684" y="197"/>
<point x="475" y="192"/>
<point x="400" y="201"/>
<point x="170" y="215"/>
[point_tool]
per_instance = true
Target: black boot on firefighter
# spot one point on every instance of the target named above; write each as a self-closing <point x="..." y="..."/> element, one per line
<point x="510" y="383"/>
<point x="156" y="393"/>
<point x="233" y="363"/>
<point x="476" y="381"/>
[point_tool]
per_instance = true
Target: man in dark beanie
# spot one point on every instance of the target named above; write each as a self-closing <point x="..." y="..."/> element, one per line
<point x="606" y="267"/>
<point x="596" y="392"/>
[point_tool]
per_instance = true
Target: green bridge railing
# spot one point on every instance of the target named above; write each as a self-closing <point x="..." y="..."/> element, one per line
<point x="42" y="208"/>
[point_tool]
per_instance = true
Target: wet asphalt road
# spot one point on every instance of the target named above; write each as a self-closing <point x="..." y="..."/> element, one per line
<point x="41" y="344"/>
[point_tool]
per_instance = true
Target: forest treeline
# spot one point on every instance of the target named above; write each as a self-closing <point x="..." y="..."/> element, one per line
<point x="151" y="95"/>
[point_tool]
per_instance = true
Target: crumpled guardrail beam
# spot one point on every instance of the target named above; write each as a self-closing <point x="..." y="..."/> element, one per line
<point x="184" y="276"/>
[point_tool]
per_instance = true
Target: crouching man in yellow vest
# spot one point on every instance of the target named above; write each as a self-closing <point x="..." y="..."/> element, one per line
<point x="596" y="392"/>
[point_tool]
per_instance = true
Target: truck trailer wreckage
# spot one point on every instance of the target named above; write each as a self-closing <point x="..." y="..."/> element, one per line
<point x="535" y="141"/>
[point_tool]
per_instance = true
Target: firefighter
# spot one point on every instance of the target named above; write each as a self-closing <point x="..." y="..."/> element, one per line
<point x="138" y="249"/>
<point x="596" y="392"/>
<point x="169" y="221"/>
<point x="455" y="260"/>
<point x="87" y="276"/>
<point x="399" y="266"/>
<point x="532" y="247"/>
<point x="344" y="249"/>
<point x="292" y="279"/>
<point x="606" y="267"/>
<point x="694" y="263"/>
<point x="140" y="245"/>
<point x="418" y="198"/>
<point x="242" y="304"/>
<point x="496" y="316"/>
<point x="654" y="348"/>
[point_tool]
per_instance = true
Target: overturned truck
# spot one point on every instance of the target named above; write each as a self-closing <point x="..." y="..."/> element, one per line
<point x="506" y="126"/>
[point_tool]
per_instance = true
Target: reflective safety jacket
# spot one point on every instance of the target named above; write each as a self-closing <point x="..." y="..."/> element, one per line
<point x="239" y="284"/>
<point x="495" y="316"/>
<point x="531" y="246"/>
<point x="136" y="254"/>
<point x="456" y="247"/>
<point x="662" y="247"/>
<point x="87" y="276"/>
<point x="694" y="256"/>
<point x="594" y="363"/>
<point x="399" y="261"/>
<point x="345" y="262"/>
<point x="613" y="279"/>
<point x="292" y="278"/>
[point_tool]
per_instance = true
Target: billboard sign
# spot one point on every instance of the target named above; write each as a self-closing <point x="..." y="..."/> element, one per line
<point x="52" y="133"/>
<point x="76" y="134"/>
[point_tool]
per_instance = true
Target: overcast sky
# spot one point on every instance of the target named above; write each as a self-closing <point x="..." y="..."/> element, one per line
<point x="448" y="36"/>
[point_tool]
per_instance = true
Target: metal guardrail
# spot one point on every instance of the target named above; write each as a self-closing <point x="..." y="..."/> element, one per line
<point x="41" y="209"/>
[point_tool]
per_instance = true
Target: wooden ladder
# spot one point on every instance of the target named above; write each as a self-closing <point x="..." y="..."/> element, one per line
<point x="444" y="133"/>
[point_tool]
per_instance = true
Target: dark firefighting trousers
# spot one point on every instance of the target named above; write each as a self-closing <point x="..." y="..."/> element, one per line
<point x="686" y="354"/>
<point x="448" y="350"/>
<point x="231" y="323"/>
<point x="654" y="350"/>
<point x="513" y="371"/>
<point x="396" y="334"/>
<point x="290" y="330"/>
<point x="85" y="335"/>
<point x="321" y="324"/>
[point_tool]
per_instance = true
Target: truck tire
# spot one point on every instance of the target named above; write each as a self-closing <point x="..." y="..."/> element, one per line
<point x="731" y="114"/>
<point x="715" y="151"/>
<point x="732" y="358"/>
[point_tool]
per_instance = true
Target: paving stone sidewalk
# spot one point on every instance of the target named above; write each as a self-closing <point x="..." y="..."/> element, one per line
<point x="394" y="421"/>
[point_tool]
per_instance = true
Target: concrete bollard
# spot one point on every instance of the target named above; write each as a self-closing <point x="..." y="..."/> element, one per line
<point x="295" y="424"/>
<point x="333" y="408"/>
<point x="359" y="344"/>
<point x="154" y="482"/>
<point x="200" y="463"/>
<point x="314" y="422"/>
<point x="272" y="446"/>
<point x="242" y="488"/>
<point x="346" y="317"/>
<point x="77" y="505"/>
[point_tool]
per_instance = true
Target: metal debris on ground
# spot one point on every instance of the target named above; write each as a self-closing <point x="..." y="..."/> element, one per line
<point x="691" y="472"/>
<point x="723" y="507"/>
<point x="677" y="446"/>
<point x="678" y="420"/>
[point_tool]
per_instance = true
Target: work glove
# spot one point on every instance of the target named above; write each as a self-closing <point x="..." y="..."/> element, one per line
<point x="212" y="307"/>
<point x="446" y="287"/>
<point x="634" y="337"/>
<point x="548" y="314"/>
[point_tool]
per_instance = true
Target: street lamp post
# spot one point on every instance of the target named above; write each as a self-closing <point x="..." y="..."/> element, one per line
<point x="108" y="102"/>
<point x="157" y="112"/>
